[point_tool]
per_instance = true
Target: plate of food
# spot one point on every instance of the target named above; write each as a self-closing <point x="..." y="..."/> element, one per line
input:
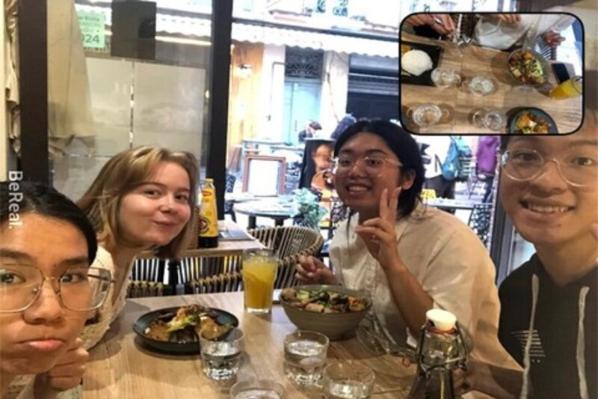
<point x="531" y="121"/>
<point x="417" y="62"/>
<point x="176" y="330"/>
<point x="528" y="67"/>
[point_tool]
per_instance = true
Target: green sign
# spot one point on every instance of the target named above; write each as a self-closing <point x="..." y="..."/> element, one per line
<point x="92" y="29"/>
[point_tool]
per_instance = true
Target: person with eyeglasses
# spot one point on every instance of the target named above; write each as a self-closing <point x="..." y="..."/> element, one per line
<point x="47" y="289"/>
<point x="549" y="189"/>
<point x="409" y="257"/>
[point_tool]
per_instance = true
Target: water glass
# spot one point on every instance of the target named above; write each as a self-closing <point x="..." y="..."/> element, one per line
<point x="257" y="389"/>
<point x="221" y="359"/>
<point x="305" y="357"/>
<point x="492" y="119"/>
<point x="259" y="273"/>
<point x="445" y="77"/>
<point x="348" y="380"/>
<point x="481" y="85"/>
<point x="426" y="114"/>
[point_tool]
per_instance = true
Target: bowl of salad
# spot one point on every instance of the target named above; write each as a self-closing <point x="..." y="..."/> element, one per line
<point x="531" y="120"/>
<point x="332" y="310"/>
<point x="528" y="67"/>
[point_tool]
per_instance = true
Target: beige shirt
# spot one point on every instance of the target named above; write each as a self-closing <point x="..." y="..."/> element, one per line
<point x="450" y="263"/>
<point x="93" y="333"/>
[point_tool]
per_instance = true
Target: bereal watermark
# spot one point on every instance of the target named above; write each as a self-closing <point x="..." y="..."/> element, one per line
<point x="15" y="198"/>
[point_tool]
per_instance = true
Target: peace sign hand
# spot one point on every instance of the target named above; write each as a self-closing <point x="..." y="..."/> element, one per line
<point x="379" y="234"/>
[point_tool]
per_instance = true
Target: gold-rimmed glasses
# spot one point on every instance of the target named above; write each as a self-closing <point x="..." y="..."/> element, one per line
<point x="579" y="169"/>
<point x="79" y="289"/>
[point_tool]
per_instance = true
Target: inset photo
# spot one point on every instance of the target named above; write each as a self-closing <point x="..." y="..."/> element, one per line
<point x="491" y="73"/>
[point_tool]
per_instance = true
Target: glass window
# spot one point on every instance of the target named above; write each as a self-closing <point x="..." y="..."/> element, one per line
<point x="120" y="76"/>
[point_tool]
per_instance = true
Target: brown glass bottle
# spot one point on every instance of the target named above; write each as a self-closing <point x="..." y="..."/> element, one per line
<point x="208" y="216"/>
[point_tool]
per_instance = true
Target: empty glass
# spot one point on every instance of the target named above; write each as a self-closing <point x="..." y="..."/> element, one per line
<point x="305" y="357"/>
<point x="257" y="389"/>
<point x="221" y="359"/>
<point x="445" y="77"/>
<point x="348" y="380"/>
<point x="492" y="119"/>
<point x="426" y="115"/>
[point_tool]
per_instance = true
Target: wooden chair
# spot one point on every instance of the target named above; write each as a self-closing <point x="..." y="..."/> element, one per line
<point x="288" y="243"/>
<point x="224" y="282"/>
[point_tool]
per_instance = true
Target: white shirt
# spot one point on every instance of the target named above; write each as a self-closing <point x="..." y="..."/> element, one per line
<point x="450" y="263"/>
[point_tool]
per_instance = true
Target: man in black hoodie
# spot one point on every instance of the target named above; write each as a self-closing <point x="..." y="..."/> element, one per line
<point x="548" y="322"/>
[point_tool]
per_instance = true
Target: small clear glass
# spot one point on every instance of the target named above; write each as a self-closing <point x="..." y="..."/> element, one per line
<point x="481" y="85"/>
<point x="257" y="389"/>
<point x="426" y="115"/>
<point x="305" y="357"/>
<point x="348" y="380"/>
<point x="445" y="77"/>
<point x="492" y="119"/>
<point x="221" y="359"/>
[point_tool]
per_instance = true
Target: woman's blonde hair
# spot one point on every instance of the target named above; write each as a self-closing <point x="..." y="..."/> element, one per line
<point x="123" y="173"/>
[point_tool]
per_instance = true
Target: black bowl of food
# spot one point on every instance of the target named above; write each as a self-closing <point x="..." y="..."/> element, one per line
<point x="531" y="121"/>
<point x="176" y="330"/>
<point x="332" y="310"/>
<point x="528" y="67"/>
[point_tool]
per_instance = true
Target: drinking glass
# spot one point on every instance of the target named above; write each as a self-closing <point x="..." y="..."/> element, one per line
<point x="481" y="85"/>
<point x="257" y="389"/>
<point x="445" y="77"/>
<point x="221" y="359"/>
<point x="259" y="272"/>
<point x="567" y="89"/>
<point x="426" y="115"/>
<point x="348" y="380"/>
<point x="305" y="357"/>
<point x="492" y="119"/>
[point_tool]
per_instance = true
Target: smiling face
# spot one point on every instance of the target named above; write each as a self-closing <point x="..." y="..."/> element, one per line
<point x="358" y="186"/>
<point x="547" y="210"/>
<point x="156" y="211"/>
<point x="33" y="339"/>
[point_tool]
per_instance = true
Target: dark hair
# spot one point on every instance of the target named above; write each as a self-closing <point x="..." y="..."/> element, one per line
<point x="27" y="197"/>
<point x="404" y="147"/>
<point x="315" y="125"/>
<point x="343" y="124"/>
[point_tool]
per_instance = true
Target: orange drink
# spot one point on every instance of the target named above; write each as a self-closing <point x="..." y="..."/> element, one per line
<point x="259" y="273"/>
<point x="567" y="89"/>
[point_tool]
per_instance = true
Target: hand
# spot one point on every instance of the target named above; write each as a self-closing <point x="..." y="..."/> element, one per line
<point x="509" y="18"/>
<point x="553" y="39"/>
<point x="498" y="382"/>
<point x="441" y="23"/>
<point x="312" y="271"/>
<point x="379" y="234"/>
<point x="68" y="371"/>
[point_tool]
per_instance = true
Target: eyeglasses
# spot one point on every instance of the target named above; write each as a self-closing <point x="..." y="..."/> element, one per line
<point x="577" y="169"/>
<point x="373" y="164"/>
<point x="79" y="289"/>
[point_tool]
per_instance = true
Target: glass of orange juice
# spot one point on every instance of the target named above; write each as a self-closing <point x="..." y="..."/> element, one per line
<point x="567" y="89"/>
<point x="259" y="272"/>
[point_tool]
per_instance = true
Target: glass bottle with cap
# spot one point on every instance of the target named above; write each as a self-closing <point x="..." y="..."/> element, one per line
<point x="208" y="216"/>
<point x="441" y="349"/>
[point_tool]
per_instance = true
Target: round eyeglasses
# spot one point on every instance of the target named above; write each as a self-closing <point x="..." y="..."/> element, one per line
<point x="579" y="169"/>
<point x="79" y="289"/>
<point x="372" y="164"/>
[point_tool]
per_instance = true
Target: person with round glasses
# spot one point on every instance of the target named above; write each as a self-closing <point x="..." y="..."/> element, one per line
<point x="548" y="322"/>
<point x="47" y="289"/>
<point x="409" y="257"/>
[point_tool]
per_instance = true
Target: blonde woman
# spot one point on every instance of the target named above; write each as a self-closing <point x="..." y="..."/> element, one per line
<point x="141" y="200"/>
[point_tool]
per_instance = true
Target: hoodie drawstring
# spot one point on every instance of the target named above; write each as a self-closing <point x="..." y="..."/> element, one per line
<point x="528" y="342"/>
<point x="581" y="345"/>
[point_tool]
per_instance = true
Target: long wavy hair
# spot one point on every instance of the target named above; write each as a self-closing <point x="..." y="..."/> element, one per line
<point x="123" y="173"/>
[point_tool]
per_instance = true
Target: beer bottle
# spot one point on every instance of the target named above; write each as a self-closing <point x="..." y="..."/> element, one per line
<point x="208" y="216"/>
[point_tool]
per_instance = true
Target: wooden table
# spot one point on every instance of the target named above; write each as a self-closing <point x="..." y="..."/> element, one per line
<point x="462" y="104"/>
<point x="119" y="368"/>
